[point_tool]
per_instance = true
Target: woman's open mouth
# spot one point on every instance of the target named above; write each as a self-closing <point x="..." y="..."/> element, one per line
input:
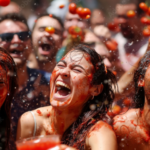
<point x="62" y="91"/>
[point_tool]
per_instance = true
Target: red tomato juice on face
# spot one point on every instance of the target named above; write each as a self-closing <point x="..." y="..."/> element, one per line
<point x="38" y="144"/>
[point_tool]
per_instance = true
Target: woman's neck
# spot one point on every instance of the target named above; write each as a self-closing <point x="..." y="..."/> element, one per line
<point x="62" y="119"/>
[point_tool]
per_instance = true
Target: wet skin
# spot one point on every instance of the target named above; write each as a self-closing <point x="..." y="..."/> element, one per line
<point x="74" y="71"/>
<point x="133" y="127"/>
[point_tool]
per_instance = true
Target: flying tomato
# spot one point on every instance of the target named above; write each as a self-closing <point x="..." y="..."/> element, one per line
<point x="131" y="13"/>
<point x="88" y="17"/>
<point x="50" y="30"/>
<point x="79" y="11"/>
<point x="4" y="2"/>
<point x="61" y="6"/>
<point x="143" y="6"/>
<point x="146" y="32"/>
<point x="85" y="12"/>
<point x="111" y="45"/>
<point x="148" y="11"/>
<point x="145" y="20"/>
<point x="50" y="15"/>
<point x="72" y="8"/>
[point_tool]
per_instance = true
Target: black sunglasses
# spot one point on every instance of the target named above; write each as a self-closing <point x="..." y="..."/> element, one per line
<point x="23" y="36"/>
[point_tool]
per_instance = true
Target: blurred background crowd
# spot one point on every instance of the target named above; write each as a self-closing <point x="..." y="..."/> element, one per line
<point x="48" y="34"/>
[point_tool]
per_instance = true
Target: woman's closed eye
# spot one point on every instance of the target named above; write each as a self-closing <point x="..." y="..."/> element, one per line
<point x="77" y="69"/>
<point x="61" y="65"/>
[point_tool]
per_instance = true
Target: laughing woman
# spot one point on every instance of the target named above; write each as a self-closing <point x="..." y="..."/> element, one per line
<point x="81" y="93"/>
<point x="8" y="86"/>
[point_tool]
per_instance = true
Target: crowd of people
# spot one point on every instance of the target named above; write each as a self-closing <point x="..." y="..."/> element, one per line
<point x="93" y="95"/>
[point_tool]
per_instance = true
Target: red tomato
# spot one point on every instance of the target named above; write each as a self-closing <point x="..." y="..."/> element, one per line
<point x="116" y="109"/>
<point x="114" y="72"/>
<point x="146" y="32"/>
<point x="114" y="26"/>
<point x="114" y="41"/>
<point x="72" y="8"/>
<point x="61" y="6"/>
<point x="79" y="11"/>
<point x="110" y="113"/>
<point x="111" y="46"/>
<point x="148" y="11"/>
<point x="50" y="15"/>
<point x="88" y="17"/>
<point x="143" y="6"/>
<point x="75" y="30"/>
<point x="145" y="20"/>
<point x="85" y="12"/>
<point x="131" y="13"/>
<point x="50" y="30"/>
<point x="127" y="102"/>
<point x="4" y="2"/>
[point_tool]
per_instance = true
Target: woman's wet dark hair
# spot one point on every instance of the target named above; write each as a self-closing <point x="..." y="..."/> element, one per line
<point x="8" y="64"/>
<point x="76" y="133"/>
<point x="139" y="98"/>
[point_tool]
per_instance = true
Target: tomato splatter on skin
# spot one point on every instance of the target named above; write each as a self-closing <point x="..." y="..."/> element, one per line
<point x="63" y="58"/>
<point x="53" y="129"/>
<point x="48" y="114"/>
<point x="57" y="103"/>
<point x="98" y="126"/>
<point x="132" y="121"/>
<point x="90" y="77"/>
<point x="39" y="112"/>
<point x="67" y="102"/>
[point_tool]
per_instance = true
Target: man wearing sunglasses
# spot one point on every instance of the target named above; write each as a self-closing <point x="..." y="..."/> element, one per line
<point x="15" y="37"/>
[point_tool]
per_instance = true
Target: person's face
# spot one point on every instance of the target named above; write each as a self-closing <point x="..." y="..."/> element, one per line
<point x="17" y="48"/>
<point x="4" y="85"/>
<point x="97" y="18"/>
<point x="74" y="20"/>
<point x="45" y="44"/>
<point x="99" y="47"/>
<point x="128" y="26"/>
<point x="71" y="80"/>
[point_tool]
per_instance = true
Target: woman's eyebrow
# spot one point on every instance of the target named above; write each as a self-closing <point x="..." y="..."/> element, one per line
<point x="80" y="67"/>
<point x="63" y="62"/>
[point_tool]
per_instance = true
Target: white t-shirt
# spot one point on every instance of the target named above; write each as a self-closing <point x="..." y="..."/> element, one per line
<point x="130" y="52"/>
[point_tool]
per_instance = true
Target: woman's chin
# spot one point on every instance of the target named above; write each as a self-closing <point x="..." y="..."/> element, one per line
<point x="60" y="100"/>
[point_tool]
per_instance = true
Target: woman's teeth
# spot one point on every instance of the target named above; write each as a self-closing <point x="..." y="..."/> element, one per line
<point x="59" y="83"/>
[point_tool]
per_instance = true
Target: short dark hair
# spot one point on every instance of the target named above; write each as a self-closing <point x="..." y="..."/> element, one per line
<point x="139" y="98"/>
<point x="14" y="17"/>
<point x="136" y="2"/>
<point x="53" y="16"/>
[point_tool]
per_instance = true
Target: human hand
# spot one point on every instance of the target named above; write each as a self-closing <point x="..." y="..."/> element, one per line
<point x="102" y="31"/>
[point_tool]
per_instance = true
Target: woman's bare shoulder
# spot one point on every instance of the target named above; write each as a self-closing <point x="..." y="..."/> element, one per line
<point x="99" y="135"/>
<point x="42" y="112"/>
<point x="99" y="127"/>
